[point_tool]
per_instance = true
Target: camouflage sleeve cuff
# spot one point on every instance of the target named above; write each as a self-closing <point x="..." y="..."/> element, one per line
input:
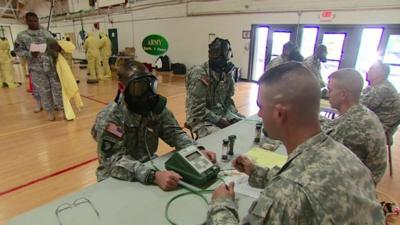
<point x="223" y="211"/>
<point x="128" y="169"/>
<point x="259" y="177"/>
<point x="143" y="174"/>
<point x="213" y="118"/>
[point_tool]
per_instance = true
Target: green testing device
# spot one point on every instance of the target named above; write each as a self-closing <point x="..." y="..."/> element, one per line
<point x="193" y="166"/>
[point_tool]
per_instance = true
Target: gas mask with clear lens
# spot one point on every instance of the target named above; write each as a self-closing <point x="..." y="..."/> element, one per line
<point x="323" y="58"/>
<point x="141" y="96"/>
<point x="219" y="54"/>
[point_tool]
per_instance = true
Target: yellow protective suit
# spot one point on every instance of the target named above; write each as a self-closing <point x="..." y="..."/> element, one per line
<point x="106" y="52"/>
<point x="92" y="48"/>
<point x="68" y="48"/>
<point x="7" y="74"/>
<point x="69" y="88"/>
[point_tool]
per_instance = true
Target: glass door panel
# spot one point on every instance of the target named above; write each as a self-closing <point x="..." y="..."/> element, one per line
<point x="261" y="36"/>
<point x="334" y="43"/>
<point x="308" y="40"/>
<point x="392" y="52"/>
<point x="279" y="38"/>
<point x="368" y="51"/>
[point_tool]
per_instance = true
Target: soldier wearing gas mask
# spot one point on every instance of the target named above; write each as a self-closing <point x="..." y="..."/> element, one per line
<point x="210" y="88"/>
<point x="127" y="130"/>
<point x="313" y="63"/>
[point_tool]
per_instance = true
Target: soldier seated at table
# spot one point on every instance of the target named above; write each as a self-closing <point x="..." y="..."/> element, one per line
<point x="127" y="131"/>
<point x="210" y="89"/>
<point x="322" y="182"/>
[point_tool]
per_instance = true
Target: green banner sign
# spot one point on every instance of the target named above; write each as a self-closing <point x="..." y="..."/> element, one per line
<point x="155" y="44"/>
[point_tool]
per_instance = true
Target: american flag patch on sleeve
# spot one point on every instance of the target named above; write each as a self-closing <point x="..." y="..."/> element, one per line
<point x="115" y="130"/>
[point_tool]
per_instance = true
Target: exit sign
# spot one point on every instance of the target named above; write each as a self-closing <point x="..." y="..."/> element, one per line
<point x="326" y="15"/>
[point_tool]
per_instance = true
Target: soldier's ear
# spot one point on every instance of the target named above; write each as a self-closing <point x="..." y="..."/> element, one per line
<point x="280" y="113"/>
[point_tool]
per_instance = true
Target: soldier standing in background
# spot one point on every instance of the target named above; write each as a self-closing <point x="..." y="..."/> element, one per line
<point x="288" y="48"/>
<point x="313" y="63"/>
<point x="7" y="73"/>
<point x="46" y="85"/>
<point x="106" y="51"/>
<point x="92" y="48"/>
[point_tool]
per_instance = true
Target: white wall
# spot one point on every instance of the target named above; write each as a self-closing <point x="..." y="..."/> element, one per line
<point x="77" y="5"/>
<point x="15" y="26"/>
<point x="187" y="34"/>
<point x="202" y="7"/>
<point x="103" y="3"/>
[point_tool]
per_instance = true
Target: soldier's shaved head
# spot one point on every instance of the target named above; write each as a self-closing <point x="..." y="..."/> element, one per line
<point x="350" y="80"/>
<point x="293" y="85"/>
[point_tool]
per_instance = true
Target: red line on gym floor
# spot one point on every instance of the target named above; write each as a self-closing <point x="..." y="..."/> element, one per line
<point x="47" y="177"/>
<point x="93" y="99"/>
<point x="58" y="172"/>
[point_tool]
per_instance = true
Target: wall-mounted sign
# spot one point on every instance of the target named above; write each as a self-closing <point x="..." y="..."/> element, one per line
<point x="155" y="44"/>
<point x="326" y="16"/>
<point x="246" y="34"/>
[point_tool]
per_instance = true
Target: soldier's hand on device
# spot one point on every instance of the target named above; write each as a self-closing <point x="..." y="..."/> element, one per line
<point x="210" y="155"/>
<point x="243" y="164"/>
<point x="167" y="180"/>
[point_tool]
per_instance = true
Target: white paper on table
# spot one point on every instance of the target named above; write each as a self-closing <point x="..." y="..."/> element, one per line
<point x="242" y="185"/>
<point x="38" y="47"/>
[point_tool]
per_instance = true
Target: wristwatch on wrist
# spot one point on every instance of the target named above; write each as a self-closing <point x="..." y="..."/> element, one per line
<point x="151" y="177"/>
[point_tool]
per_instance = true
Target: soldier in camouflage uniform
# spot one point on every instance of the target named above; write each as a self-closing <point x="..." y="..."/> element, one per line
<point x="322" y="182"/>
<point x="127" y="132"/>
<point x="210" y="88"/>
<point x="313" y="63"/>
<point x="284" y="57"/>
<point x="102" y="117"/>
<point x="357" y="127"/>
<point x="41" y="66"/>
<point x="381" y="96"/>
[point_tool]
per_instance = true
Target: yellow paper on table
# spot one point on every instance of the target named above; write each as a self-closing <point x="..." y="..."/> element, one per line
<point x="265" y="158"/>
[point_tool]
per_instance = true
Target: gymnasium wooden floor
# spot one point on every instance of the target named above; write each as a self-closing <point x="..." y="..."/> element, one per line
<point x="41" y="161"/>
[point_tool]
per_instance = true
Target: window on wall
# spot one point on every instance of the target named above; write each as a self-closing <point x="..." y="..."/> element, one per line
<point x="394" y="77"/>
<point x="392" y="52"/>
<point x="392" y="57"/>
<point x="279" y="38"/>
<point x="261" y="36"/>
<point x="368" y="51"/>
<point x="308" y="40"/>
<point x="351" y="46"/>
<point x="334" y="43"/>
